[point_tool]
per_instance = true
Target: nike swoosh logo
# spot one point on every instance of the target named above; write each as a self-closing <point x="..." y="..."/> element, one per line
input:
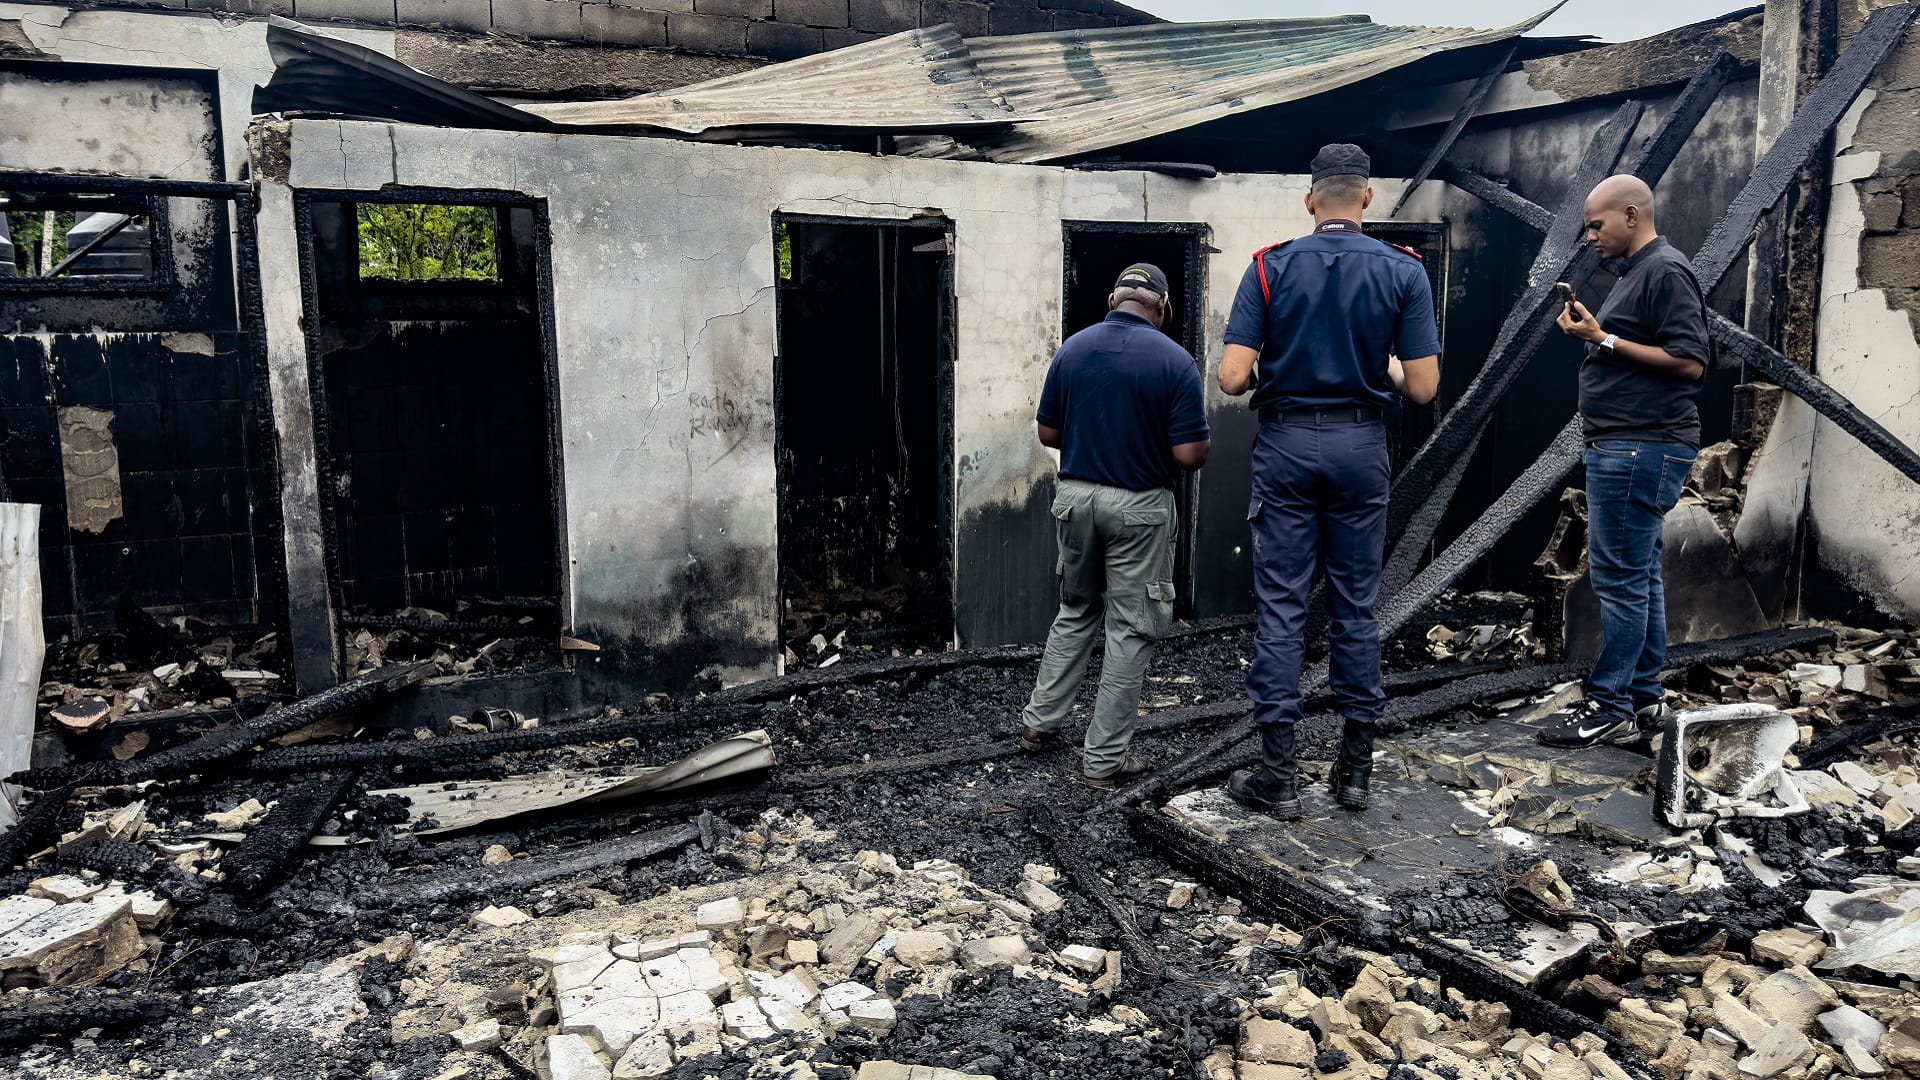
<point x="1588" y="733"/>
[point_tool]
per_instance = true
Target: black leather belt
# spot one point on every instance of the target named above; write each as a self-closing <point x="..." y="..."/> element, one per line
<point x="1355" y="415"/>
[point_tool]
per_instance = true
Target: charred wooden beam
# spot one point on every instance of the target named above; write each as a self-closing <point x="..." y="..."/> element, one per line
<point x="1804" y="134"/>
<point x="1656" y="155"/>
<point x="36" y="828"/>
<point x="121" y="859"/>
<point x="1139" y="950"/>
<point x="524" y="874"/>
<point x="1459" y="123"/>
<point x="1742" y="347"/>
<point x="802" y="682"/>
<point x="1541" y="480"/>
<point x="51" y="1013"/>
<point x="398" y="756"/>
<point x="276" y="842"/>
<point x="496" y="627"/>
<point x="221" y="746"/>
<point x="1423" y="489"/>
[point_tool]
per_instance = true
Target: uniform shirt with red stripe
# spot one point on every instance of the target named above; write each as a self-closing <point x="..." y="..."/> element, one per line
<point x="1325" y="311"/>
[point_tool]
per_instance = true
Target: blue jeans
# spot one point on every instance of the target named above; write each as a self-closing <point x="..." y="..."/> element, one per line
<point x="1319" y="501"/>
<point x="1630" y="488"/>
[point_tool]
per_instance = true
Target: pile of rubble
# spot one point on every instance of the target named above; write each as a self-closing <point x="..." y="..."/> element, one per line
<point x="1721" y="1015"/>
<point x="1883" y="665"/>
<point x="462" y="644"/>
<point x="1717" y="1014"/>
<point x="90" y="685"/>
<point x="74" y="930"/>
<point x="835" y="948"/>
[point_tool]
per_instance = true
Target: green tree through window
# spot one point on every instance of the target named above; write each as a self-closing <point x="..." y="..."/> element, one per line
<point x="427" y="242"/>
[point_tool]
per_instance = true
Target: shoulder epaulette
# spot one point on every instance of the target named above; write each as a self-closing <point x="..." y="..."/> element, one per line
<point x="1259" y="259"/>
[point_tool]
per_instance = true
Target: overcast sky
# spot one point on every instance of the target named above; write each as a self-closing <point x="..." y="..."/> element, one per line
<point x="1609" y="20"/>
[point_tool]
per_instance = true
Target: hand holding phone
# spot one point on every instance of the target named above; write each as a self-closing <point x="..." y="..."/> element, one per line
<point x="1566" y="293"/>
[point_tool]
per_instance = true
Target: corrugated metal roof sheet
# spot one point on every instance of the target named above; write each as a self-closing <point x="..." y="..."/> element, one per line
<point x="1050" y="96"/>
<point x="1106" y="88"/>
<point x="916" y="80"/>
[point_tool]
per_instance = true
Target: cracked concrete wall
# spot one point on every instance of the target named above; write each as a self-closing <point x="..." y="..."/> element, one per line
<point x="1865" y="516"/>
<point x="664" y="277"/>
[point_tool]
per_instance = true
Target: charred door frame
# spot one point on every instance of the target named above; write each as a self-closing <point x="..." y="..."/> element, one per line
<point x="250" y="317"/>
<point x="303" y="200"/>
<point x="1193" y="337"/>
<point x="948" y="346"/>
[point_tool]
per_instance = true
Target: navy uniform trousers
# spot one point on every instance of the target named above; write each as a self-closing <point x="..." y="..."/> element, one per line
<point x="1319" y="500"/>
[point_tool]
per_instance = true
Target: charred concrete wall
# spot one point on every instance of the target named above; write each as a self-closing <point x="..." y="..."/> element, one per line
<point x="234" y="50"/>
<point x="762" y="29"/>
<point x="664" y="275"/>
<point x="1534" y="146"/>
<point x="1864" y="516"/>
<point x="126" y="406"/>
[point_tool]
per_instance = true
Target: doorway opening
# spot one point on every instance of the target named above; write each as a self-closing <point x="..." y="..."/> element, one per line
<point x="1096" y="252"/>
<point x="863" y="401"/>
<point x="434" y="390"/>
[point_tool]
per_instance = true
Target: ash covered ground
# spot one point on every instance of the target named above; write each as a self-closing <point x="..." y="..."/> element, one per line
<point x="363" y="921"/>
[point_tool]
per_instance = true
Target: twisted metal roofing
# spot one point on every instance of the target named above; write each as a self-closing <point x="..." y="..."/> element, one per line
<point x="916" y="80"/>
<point x="1040" y="97"/>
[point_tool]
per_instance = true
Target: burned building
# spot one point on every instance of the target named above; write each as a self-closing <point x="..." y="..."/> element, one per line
<point x="441" y="366"/>
<point x="666" y="525"/>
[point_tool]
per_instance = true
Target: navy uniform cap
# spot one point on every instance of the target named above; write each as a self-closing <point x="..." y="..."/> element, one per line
<point x="1143" y="276"/>
<point x="1340" y="159"/>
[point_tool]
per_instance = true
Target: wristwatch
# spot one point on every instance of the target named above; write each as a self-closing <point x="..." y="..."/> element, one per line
<point x="1609" y="342"/>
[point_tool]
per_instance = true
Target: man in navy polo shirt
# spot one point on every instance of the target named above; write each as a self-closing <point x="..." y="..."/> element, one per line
<point x="1122" y="405"/>
<point x="1338" y="324"/>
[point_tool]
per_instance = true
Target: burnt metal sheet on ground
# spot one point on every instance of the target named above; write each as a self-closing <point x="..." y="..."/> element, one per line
<point x="461" y="805"/>
<point x="1411" y="844"/>
<point x="1511" y="744"/>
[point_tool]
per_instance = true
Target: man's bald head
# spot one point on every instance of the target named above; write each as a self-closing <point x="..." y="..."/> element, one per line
<point x="1622" y="191"/>
<point x="1619" y="215"/>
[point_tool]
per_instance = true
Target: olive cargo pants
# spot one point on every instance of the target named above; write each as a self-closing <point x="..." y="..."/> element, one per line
<point x="1116" y="565"/>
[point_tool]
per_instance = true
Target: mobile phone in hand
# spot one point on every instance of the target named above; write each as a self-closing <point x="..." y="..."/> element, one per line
<point x="1566" y="293"/>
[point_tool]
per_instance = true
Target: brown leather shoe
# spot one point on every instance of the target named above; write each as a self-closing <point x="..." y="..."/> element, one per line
<point x="1034" y="741"/>
<point x="1131" y="768"/>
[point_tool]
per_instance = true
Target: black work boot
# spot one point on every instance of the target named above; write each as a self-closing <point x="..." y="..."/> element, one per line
<point x="1354" y="767"/>
<point x="1275" y="786"/>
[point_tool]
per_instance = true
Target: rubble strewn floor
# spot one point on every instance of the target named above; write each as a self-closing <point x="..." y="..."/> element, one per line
<point x="903" y="894"/>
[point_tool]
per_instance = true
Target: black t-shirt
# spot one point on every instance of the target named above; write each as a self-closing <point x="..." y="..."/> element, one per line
<point x="1656" y="302"/>
<point x="1123" y="395"/>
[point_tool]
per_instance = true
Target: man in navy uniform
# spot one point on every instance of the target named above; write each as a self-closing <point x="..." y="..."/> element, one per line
<point x="1122" y="404"/>
<point x="1647" y="350"/>
<point x="1338" y="324"/>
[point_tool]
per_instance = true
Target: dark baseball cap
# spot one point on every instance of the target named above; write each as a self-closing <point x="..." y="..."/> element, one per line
<point x="1340" y="159"/>
<point x="1143" y="276"/>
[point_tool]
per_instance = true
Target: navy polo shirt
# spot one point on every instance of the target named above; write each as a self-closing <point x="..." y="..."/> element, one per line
<point x="1341" y="302"/>
<point x="1123" y="395"/>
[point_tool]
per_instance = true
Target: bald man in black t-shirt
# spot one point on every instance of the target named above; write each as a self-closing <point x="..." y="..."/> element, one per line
<point x="1647" y="351"/>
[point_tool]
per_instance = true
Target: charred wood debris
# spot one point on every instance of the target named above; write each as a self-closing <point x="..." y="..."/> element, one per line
<point x="864" y="877"/>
